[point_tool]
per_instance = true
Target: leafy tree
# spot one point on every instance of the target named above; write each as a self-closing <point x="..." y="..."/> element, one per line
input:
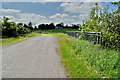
<point x="25" y="25"/>
<point x="60" y="24"/>
<point x="52" y="26"/>
<point x="30" y="26"/>
<point x="35" y="28"/>
<point x="107" y="22"/>
<point x="75" y="26"/>
<point x="11" y="29"/>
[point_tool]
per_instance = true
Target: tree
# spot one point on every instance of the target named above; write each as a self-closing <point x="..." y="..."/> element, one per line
<point x="75" y="26"/>
<point x="51" y="26"/>
<point x="30" y="26"/>
<point x="25" y="25"/>
<point x="20" y="24"/>
<point x="60" y="25"/>
<point x="107" y="22"/>
<point x="11" y="29"/>
<point x="35" y="28"/>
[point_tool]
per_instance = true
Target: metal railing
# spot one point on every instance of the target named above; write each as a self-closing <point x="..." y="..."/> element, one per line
<point x="90" y="36"/>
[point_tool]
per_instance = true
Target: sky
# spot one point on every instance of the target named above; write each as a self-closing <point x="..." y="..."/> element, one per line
<point x="47" y="12"/>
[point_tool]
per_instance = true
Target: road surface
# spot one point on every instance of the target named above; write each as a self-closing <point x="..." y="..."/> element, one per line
<point x="32" y="58"/>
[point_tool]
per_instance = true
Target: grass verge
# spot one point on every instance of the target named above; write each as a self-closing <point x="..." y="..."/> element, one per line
<point x="5" y="41"/>
<point x="83" y="59"/>
<point x="55" y="30"/>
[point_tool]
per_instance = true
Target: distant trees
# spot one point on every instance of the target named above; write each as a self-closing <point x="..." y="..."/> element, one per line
<point x="35" y="28"/>
<point x="58" y="26"/>
<point x="46" y="26"/>
<point x="30" y="26"/>
<point x="75" y="26"/>
<point x="52" y="26"/>
<point x="25" y="25"/>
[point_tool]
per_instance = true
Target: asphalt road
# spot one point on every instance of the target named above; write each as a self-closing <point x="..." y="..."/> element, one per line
<point x="32" y="58"/>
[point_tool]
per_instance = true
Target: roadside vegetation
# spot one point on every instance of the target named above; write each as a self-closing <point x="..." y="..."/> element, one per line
<point x="5" y="41"/>
<point x="83" y="59"/>
<point x="106" y="21"/>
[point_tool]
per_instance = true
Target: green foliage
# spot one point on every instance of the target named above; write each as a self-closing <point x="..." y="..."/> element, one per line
<point x="82" y="59"/>
<point x="11" y="29"/>
<point x="60" y="24"/>
<point x="30" y="26"/>
<point x="107" y="22"/>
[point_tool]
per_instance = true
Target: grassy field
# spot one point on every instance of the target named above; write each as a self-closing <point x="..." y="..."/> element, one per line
<point x="55" y="30"/>
<point x="5" y="41"/>
<point x="83" y="59"/>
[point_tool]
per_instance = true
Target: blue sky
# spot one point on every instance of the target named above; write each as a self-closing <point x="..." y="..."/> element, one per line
<point x="47" y="12"/>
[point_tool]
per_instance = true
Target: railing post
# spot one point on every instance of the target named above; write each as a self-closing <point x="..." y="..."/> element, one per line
<point x="98" y="37"/>
<point x="118" y="44"/>
<point x="101" y="38"/>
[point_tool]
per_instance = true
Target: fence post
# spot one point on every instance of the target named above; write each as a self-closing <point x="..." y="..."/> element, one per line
<point x="98" y="37"/>
<point x="101" y="38"/>
<point x="118" y="44"/>
<point x="75" y="34"/>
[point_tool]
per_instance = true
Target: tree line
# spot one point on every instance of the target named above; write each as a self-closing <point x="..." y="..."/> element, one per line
<point x="58" y="26"/>
<point x="105" y="21"/>
<point x="12" y="29"/>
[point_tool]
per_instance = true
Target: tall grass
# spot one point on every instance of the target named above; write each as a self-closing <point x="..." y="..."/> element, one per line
<point x="83" y="59"/>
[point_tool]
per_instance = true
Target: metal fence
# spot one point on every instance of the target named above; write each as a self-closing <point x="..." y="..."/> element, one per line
<point x="96" y="37"/>
<point x="91" y="36"/>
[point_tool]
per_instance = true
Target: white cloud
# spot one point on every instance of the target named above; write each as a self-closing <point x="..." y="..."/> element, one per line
<point x="26" y="17"/>
<point x="11" y="17"/>
<point x="32" y="16"/>
<point x="78" y="7"/>
<point x="74" y="16"/>
<point x="10" y="11"/>
<point x="82" y="8"/>
<point x="67" y="19"/>
<point x="83" y="16"/>
<point x="59" y="16"/>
